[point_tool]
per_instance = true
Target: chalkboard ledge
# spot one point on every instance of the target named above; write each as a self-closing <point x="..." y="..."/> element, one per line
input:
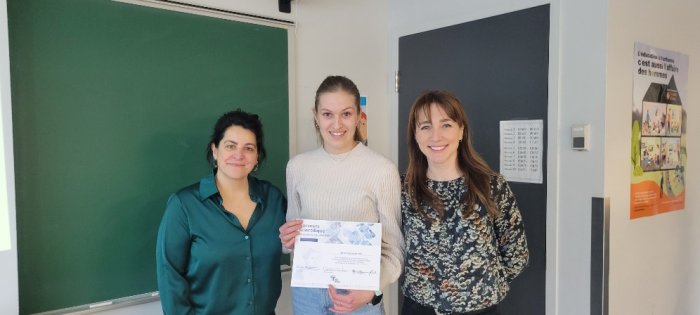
<point x="107" y="305"/>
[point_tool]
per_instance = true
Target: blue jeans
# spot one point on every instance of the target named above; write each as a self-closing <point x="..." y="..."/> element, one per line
<point x="313" y="301"/>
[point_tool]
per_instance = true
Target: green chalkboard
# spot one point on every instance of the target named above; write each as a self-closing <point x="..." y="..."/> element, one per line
<point x="113" y="105"/>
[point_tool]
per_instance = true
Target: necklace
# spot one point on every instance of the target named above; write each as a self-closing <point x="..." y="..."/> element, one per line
<point x="339" y="157"/>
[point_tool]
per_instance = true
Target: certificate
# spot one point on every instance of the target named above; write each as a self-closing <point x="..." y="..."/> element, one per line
<point x="344" y="254"/>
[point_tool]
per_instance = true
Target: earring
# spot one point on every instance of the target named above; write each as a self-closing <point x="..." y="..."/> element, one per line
<point x="315" y="124"/>
<point x="255" y="169"/>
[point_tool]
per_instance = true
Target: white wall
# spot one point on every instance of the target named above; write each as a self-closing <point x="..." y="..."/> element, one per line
<point x="9" y="298"/>
<point x="582" y="88"/>
<point x="653" y="260"/>
<point x="346" y="38"/>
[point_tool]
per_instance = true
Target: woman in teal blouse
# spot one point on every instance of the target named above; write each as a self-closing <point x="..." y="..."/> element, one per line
<point x="218" y="250"/>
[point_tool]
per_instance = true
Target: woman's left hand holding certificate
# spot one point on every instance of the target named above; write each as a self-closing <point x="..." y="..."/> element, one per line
<point x="289" y="232"/>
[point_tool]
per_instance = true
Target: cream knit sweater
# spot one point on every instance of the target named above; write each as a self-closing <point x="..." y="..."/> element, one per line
<point x="359" y="185"/>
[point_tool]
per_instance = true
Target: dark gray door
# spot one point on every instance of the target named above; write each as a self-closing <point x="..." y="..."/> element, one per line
<point x="498" y="67"/>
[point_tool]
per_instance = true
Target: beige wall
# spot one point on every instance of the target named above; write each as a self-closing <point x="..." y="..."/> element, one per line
<point x="653" y="260"/>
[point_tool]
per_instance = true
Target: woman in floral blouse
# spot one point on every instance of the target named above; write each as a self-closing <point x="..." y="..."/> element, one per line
<point x="465" y="240"/>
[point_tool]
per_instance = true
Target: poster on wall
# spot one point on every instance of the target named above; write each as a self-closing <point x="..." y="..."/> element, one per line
<point x="658" y="131"/>
<point x="363" y="119"/>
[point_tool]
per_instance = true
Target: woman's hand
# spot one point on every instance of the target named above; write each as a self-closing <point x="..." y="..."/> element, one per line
<point x="348" y="303"/>
<point x="289" y="231"/>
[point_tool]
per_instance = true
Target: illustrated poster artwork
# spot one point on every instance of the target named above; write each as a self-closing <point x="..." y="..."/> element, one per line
<point x="658" y="156"/>
<point x="363" y="119"/>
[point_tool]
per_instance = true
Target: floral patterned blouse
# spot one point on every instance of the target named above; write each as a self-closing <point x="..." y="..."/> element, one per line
<point x="462" y="264"/>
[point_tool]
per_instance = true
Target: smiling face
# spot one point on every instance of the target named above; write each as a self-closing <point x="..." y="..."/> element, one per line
<point x="236" y="154"/>
<point x="438" y="137"/>
<point x="337" y="119"/>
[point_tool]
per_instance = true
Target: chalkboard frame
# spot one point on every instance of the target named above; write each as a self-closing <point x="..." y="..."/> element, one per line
<point x="25" y="95"/>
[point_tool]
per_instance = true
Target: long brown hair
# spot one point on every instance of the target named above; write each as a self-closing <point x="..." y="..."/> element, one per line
<point x="336" y="83"/>
<point x="477" y="173"/>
